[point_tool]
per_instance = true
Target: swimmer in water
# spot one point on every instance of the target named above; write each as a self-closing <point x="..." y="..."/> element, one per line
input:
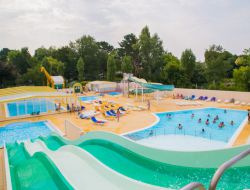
<point x="207" y="122"/>
<point x="199" y="121"/>
<point x="179" y="126"/>
<point x="232" y="122"/>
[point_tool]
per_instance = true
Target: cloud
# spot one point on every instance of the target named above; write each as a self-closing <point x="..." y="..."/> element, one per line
<point x="181" y="24"/>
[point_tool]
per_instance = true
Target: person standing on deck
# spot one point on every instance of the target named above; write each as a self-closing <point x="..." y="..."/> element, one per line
<point x="149" y="105"/>
<point x="118" y="115"/>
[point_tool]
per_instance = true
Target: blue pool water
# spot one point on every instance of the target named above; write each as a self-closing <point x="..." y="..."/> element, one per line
<point x="25" y="107"/>
<point x="192" y="127"/>
<point x="113" y="93"/>
<point x="23" y="131"/>
<point x="88" y="98"/>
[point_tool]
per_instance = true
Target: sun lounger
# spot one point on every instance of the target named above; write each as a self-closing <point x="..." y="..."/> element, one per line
<point x="213" y="99"/>
<point x="108" y="113"/>
<point x="99" y="122"/>
<point x="243" y="103"/>
<point x="237" y="102"/>
<point x="205" y="98"/>
<point x="219" y="100"/>
<point x="227" y="101"/>
<point x="88" y="114"/>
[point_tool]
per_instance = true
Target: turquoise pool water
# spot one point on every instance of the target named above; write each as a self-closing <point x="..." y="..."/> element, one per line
<point x="191" y="126"/>
<point x="26" y="107"/>
<point x="88" y="98"/>
<point x="113" y="93"/>
<point x="23" y="131"/>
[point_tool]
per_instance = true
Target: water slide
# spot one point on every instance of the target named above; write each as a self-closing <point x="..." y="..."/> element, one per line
<point x="171" y="169"/>
<point x="154" y="86"/>
<point x="83" y="171"/>
<point x="36" y="171"/>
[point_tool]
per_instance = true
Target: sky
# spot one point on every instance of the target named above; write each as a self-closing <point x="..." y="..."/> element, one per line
<point x="180" y="24"/>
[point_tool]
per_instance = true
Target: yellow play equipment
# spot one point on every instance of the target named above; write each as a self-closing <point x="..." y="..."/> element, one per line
<point x="56" y="82"/>
<point x="77" y="87"/>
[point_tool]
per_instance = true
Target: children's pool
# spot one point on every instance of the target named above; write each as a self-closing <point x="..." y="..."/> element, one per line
<point x="191" y="126"/>
<point x="88" y="98"/>
<point x="113" y="93"/>
<point x="23" y="131"/>
<point x="27" y="107"/>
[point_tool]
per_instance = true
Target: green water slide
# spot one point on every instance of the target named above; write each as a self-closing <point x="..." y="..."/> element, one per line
<point x="163" y="168"/>
<point x="154" y="86"/>
<point x="37" y="172"/>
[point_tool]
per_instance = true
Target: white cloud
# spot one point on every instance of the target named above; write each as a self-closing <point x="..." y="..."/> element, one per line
<point x="180" y="24"/>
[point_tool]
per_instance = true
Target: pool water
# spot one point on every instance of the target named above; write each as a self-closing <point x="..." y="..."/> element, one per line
<point x="88" y="98"/>
<point x="191" y="126"/>
<point x="23" y="131"/>
<point x="113" y="93"/>
<point x="26" y="107"/>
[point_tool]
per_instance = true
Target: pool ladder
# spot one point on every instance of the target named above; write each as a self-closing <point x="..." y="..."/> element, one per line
<point x="219" y="172"/>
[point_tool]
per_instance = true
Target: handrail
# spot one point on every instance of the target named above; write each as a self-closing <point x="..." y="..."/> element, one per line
<point x="193" y="185"/>
<point x="219" y="172"/>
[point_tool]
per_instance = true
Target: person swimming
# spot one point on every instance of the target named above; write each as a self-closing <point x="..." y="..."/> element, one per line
<point x="208" y="115"/>
<point x="221" y="124"/>
<point x="232" y="122"/>
<point x="207" y="122"/>
<point x="199" y="120"/>
<point x="192" y="116"/>
<point x="225" y="111"/>
<point x="216" y="117"/>
<point x="203" y="130"/>
<point x="214" y="121"/>
<point x="179" y="126"/>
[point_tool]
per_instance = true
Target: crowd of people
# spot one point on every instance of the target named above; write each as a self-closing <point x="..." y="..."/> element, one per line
<point x="207" y="121"/>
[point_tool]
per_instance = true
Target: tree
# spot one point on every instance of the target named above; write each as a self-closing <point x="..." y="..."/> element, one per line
<point x="105" y="46"/>
<point x="199" y="75"/>
<point x="80" y="69"/>
<point x="188" y="63"/>
<point x="7" y="74"/>
<point x="217" y="63"/>
<point x="127" y="46"/>
<point x="33" y="76"/>
<point x="21" y="60"/>
<point x="111" y="67"/>
<point x="172" y="72"/>
<point x="151" y="54"/>
<point x="4" y="54"/>
<point x="87" y="48"/>
<point x="69" y="57"/>
<point x="127" y="66"/>
<point x="243" y="60"/>
<point x="53" y="66"/>
<point x="241" y="78"/>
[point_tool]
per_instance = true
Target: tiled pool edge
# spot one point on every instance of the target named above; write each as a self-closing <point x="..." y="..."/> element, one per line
<point x="237" y="133"/>
<point x="53" y="127"/>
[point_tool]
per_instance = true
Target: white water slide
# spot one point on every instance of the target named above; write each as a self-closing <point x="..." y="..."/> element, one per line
<point x="83" y="171"/>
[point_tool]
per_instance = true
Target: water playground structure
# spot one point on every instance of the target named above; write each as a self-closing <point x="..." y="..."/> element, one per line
<point x="142" y="87"/>
<point x="56" y="82"/>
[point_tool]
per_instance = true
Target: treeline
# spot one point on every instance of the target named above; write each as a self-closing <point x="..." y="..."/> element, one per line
<point x="87" y="59"/>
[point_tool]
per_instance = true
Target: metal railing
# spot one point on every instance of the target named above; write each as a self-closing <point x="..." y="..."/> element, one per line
<point x="219" y="172"/>
<point x="193" y="185"/>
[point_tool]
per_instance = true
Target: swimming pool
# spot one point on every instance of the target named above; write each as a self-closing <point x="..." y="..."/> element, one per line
<point x="113" y="93"/>
<point x="191" y="126"/>
<point x="23" y="131"/>
<point x="88" y="98"/>
<point x="27" y="107"/>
